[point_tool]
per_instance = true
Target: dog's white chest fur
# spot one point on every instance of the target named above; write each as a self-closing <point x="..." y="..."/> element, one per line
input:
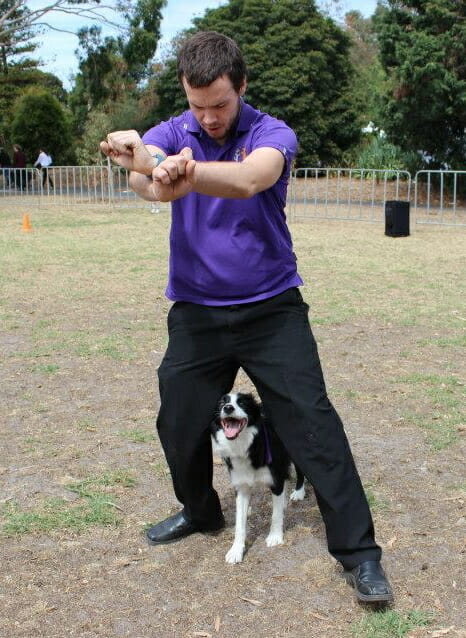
<point x="242" y="473"/>
<point x="241" y="470"/>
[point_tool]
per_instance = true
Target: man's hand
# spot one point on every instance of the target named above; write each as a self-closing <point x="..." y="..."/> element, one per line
<point x="128" y="150"/>
<point x="174" y="177"/>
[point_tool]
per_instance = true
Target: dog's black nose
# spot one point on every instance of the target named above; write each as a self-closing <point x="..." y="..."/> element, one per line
<point x="228" y="408"/>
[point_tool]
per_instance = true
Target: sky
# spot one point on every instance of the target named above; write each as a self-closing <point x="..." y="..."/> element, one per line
<point x="56" y="49"/>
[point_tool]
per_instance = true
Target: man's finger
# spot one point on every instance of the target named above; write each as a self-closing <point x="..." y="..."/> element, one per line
<point x="104" y="147"/>
<point x="159" y="174"/>
<point x="121" y="143"/>
<point x="190" y="166"/>
<point x="172" y="169"/>
<point x="187" y="153"/>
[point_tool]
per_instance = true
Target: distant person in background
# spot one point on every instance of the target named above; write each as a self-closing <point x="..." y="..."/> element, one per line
<point x="19" y="163"/>
<point x="43" y="162"/>
<point x="5" y="164"/>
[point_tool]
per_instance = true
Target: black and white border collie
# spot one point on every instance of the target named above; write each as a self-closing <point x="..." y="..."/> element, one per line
<point x="253" y="453"/>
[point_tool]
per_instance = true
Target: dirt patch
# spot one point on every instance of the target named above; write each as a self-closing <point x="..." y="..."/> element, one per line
<point x="83" y="330"/>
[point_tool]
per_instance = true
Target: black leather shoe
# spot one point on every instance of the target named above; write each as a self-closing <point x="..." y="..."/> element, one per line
<point x="177" y="527"/>
<point x="370" y="583"/>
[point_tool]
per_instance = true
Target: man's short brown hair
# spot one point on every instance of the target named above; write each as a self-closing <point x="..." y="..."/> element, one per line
<point x="206" y="56"/>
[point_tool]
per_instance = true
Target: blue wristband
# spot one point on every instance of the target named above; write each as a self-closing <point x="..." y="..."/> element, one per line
<point x="159" y="158"/>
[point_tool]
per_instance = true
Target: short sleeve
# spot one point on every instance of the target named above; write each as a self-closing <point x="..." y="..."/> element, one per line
<point x="161" y="136"/>
<point x="276" y="134"/>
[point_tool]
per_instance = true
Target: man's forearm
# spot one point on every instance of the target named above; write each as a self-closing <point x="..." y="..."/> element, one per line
<point x="229" y="180"/>
<point x="142" y="185"/>
<point x="224" y="179"/>
<point x="238" y="180"/>
<point x="178" y="175"/>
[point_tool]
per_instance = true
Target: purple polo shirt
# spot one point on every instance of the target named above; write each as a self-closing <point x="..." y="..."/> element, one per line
<point x="229" y="251"/>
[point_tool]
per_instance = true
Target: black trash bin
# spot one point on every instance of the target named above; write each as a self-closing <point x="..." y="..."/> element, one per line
<point x="396" y="218"/>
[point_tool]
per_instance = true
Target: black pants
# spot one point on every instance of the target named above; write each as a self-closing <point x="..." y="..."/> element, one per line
<point x="272" y="341"/>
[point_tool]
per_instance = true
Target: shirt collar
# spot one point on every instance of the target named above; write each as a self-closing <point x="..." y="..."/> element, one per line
<point x="246" y="118"/>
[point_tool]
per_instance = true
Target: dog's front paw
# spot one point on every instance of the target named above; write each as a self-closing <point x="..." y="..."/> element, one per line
<point x="297" y="495"/>
<point x="274" y="539"/>
<point x="234" y="554"/>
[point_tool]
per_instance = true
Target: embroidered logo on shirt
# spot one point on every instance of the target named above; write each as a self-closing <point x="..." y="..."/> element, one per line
<point x="240" y="154"/>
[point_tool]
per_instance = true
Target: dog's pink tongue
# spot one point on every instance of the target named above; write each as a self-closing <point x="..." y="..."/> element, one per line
<point x="232" y="430"/>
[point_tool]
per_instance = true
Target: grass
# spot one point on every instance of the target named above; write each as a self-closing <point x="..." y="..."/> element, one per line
<point x="375" y="502"/>
<point x="353" y="274"/>
<point x="85" y="292"/>
<point x="447" y="342"/>
<point x="86" y="286"/>
<point x="47" y="368"/>
<point x="390" y="624"/>
<point x="59" y="514"/>
<point x="87" y="487"/>
<point x="71" y="257"/>
<point x="446" y="397"/>
<point x="160" y="469"/>
<point x="87" y="425"/>
<point x="137" y="436"/>
<point x="95" y="506"/>
<point x="441" y="433"/>
<point x="120" y="346"/>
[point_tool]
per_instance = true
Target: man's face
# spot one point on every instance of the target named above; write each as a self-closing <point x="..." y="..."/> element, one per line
<point x="215" y="107"/>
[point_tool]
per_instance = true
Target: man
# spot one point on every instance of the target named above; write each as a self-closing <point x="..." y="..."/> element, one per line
<point x="233" y="278"/>
<point x="5" y="164"/>
<point x="43" y="162"/>
<point x="22" y="178"/>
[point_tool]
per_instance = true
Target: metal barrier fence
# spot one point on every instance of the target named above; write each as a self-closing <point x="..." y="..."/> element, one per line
<point x="106" y="185"/>
<point x="361" y="194"/>
<point x="440" y="198"/>
<point x="314" y="193"/>
<point x="16" y="182"/>
<point x="345" y="193"/>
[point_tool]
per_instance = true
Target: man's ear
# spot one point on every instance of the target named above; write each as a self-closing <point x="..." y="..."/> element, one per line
<point x="242" y="88"/>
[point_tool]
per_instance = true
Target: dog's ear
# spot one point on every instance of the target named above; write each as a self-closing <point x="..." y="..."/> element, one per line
<point x="253" y="408"/>
<point x="249" y="399"/>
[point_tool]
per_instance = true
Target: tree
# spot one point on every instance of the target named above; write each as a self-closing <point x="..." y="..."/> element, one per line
<point x="40" y="122"/>
<point x="423" y="49"/>
<point x="14" y="44"/>
<point x="299" y="71"/>
<point x="14" y="84"/>
<point x="369" y="78"/>
<point x="97" y="59"/>
<point x="144" y="20"/>
<point x="111" y="70"/>
<point x="128" y="113"/>
<point x="16" y="17"/>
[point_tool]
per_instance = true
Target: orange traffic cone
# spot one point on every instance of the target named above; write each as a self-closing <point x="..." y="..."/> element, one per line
<point x="26" y="224"/>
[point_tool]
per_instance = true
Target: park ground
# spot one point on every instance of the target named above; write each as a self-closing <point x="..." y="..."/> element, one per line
<point x="82" y="473"/>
